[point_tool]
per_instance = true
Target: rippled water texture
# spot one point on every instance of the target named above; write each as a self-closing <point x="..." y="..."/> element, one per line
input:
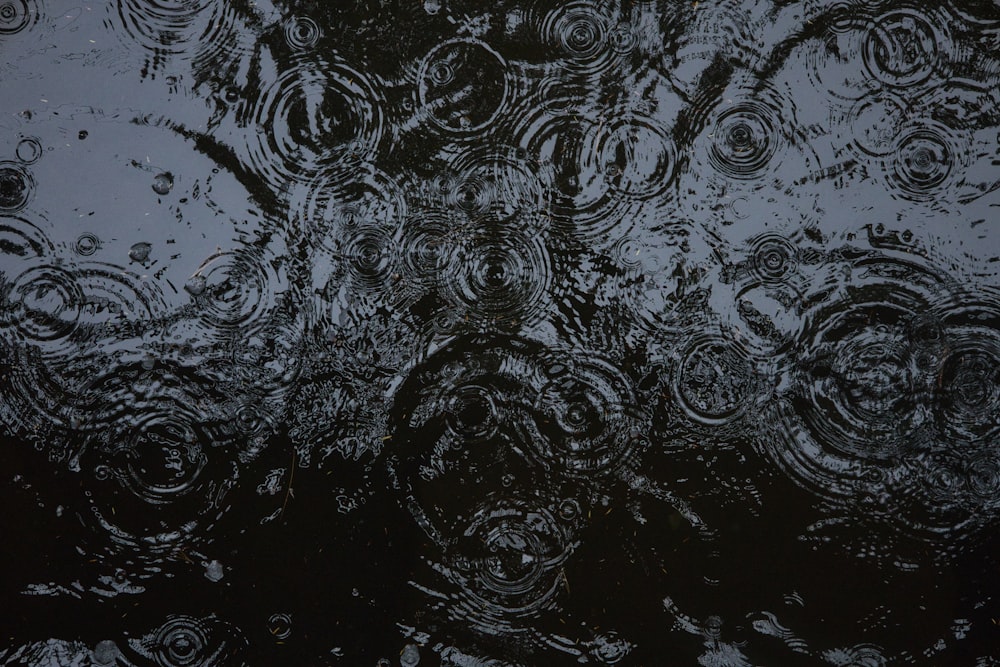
<point x="437" y="332"/>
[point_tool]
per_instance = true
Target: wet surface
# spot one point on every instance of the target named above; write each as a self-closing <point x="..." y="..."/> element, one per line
<point x="453" y="333"/>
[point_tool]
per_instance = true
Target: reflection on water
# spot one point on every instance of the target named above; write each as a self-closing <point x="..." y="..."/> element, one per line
<point x="524" y="333"/>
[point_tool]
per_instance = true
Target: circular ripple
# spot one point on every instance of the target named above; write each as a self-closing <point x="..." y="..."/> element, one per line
<point x="317" y="114"/>
<point x="501" y="278"/>
<point x="901" y="49"/>
<point x="164" y="459"/>
<point x="471" y="413"/>
<point x="587" y="416"/>
<point x="17" y="186"/>
<point x="424" y="248"/>
<point x="116" y="302"/>
<point x="983" y="476"/>
<point x="463" y="86"/>
<point x="863" y="395"/>
<point x="773" y="259"/>
<point x="580" y="33"/>
<point x="925" y="161"/>
<point x="637" y="156"/>
<point x="714" y="380"/>
<point x="183" y="641"/>
<point x="45" y="305"/>
<point x="507" y="558"/>
<point x="87" y="244"/>
<point x="152" y="431"/>
<point x="831" y="62"/>
<point x="583" y="199"/>
<point x="338" y="200"/>
<point x="302" y="33"/>
<point x="202" y="31"/>
<point x="968" y="377"/>
<point x="237" y="290"/>
<point x="499" y="182"/>
<point x="853" y="424"/>
<point x="745" y="138"/>
<point x="29" y="150"/>
<point x="16" y="15"/>
<point x="21" y="238"/>
<point x="875" y="123"/>
<point x="370" y="256"/>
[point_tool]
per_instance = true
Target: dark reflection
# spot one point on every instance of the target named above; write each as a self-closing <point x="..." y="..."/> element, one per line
<point x="593" y="332"/>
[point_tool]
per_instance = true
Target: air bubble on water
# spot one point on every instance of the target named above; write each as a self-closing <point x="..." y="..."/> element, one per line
<point x="432" y="7"/>
<point x="195" y="285"/>
<point x="139" y="252"/>
<point x="214" y="571"/>
<point x="163" y="183"/>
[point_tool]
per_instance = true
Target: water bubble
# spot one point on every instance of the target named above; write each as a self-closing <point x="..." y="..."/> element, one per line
<point x="139" y="252"/>
<point x="195" y="285"/>
<point x="16" y="187"/>
<point x="82" y="134"/>
<point x="29" y="150"/>
<point x="163" y="183"/>
<point x="279" y="626"/>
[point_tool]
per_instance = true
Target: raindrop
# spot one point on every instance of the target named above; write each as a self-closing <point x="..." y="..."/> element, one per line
<point x="29" y="149"/>
<point x="87" y="244"/>
<point x="280" y="626"/>
<point x="163" y="183"/>
<point x="139" y="252"/>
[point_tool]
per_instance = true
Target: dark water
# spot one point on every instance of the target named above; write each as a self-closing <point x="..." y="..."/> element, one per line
<point x="382" y="333"/>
